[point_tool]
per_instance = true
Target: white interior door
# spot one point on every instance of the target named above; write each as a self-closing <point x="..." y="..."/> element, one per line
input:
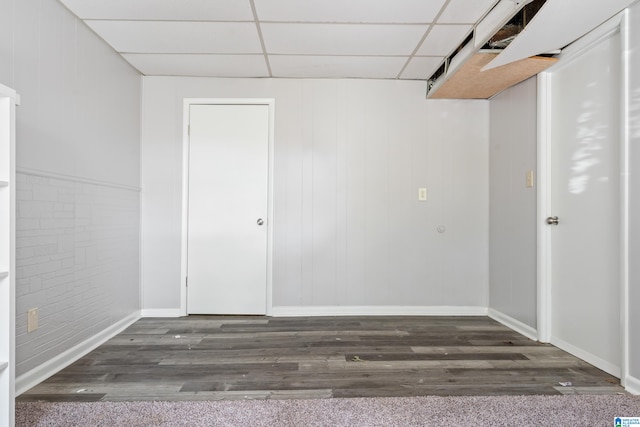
<point x="227" y="209"/>
<point x="584" y="195"/>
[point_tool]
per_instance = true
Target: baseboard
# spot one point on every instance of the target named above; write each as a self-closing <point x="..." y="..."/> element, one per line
<point x="632" y="385"/>
<point x="384" y="310"/>
<point x="514" y="324"/>
<point x="596" y="361"/>
<point x="160" y="312"/>
<point x="40" y="373"/>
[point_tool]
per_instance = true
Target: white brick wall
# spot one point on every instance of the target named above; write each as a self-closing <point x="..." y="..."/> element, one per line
<point x="77" y="261"/>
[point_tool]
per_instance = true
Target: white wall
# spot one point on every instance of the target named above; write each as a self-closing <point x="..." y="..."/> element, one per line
<point x="349" y="158"/>
<point x="512" y="238"/>
<point x="78" y="155"/>
<point x="633" y="379"/>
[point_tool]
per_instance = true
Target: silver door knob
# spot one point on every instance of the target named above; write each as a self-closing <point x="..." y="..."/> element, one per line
<point x="260" y="221"/>
<point x="552" y="220"/>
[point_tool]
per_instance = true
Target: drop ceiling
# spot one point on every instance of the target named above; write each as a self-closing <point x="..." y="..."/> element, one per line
<point x="387" y="39"/>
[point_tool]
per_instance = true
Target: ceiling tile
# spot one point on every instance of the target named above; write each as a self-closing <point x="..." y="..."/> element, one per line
<point x="421" y="67"/>
<point x="199" y="65"/>
<point x="170" y="10"/>
<point x="443" y="39"/>
<point x="178" y="37"/>
<point x="556" y="26"/>
<point x="465" y="11"/>
<point x="339" y="39"/>
<point x="376" y="67"/>
<point x="380" y="11"/>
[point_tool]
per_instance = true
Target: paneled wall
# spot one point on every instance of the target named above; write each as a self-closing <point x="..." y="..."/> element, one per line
<point x="350" y="156"/>
<point x="78" y="156"/>
<point x="76" y="260"/>
<point x="512" y="238"/>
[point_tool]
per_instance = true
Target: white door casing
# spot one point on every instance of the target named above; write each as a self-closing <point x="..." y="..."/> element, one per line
<point x="227" y="207"/>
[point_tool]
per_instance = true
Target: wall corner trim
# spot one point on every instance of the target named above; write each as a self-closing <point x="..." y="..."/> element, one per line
<point x="632" y="385"/>
<point x="514" y="324"/>
<point x="382" y="310"/>
<point x="160" y="312"/>
<point x="40" y="373"/>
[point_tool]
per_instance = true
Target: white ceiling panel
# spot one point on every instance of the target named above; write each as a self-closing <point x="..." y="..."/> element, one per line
<point x="379" y="11"/>
<point x="376" y="67"/>
<point x="199" y="65"/>
<point x="339" y="39"/>
<point x="465" y="11"/>
<point x="421" y="67"/>
<point x="316" y="38"/>
<point x="555" y="26"/>
<point x="179" y="37"/>
<point x="443" y="39"/>
<point x="168" y="10"/>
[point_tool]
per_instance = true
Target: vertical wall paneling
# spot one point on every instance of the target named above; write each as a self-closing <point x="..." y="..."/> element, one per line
<point x="349" y="233"/>
<point x="6" y="41"/>
<point x="77" y="184"/>
<point x="512" y="241"/>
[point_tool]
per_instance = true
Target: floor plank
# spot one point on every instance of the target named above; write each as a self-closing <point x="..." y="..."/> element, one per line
<point x="244" y="357"/>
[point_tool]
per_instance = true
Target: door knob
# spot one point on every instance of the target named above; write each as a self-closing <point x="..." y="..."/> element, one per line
<point x="260" y="221"/>
<point x="552" y="220"/>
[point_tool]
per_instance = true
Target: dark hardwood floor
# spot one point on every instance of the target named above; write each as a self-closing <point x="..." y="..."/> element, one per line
<point x="236" y="357"/>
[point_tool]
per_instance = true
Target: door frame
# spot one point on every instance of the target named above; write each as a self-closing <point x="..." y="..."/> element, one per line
<point x="187" y="103"/>
<point x="544" y="294"/>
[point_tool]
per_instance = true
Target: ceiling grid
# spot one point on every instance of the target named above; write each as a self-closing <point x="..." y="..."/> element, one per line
<point x="386" y="39"/>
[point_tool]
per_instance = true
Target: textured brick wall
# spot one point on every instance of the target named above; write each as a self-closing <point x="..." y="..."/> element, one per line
<point x="77" y="261"/>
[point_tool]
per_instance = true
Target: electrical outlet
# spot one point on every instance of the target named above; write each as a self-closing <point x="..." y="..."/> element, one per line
<point x="32" y="320"/>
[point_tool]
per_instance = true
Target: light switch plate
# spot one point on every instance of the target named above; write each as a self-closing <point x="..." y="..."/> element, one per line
<point x="529" y="179"/>
<point x="422" y="194"/>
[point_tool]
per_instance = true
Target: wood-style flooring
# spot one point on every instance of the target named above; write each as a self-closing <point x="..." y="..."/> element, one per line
<point x="239" y="357"/>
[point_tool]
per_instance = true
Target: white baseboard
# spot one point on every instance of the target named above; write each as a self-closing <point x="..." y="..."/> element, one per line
<point x="160" y="312"/>
<point x="514" y="324"/>
<point x="389" y="310"/>
<point x="596" y="361"/>
<point x="40" y="373"/>
<point x="632" y="385"/>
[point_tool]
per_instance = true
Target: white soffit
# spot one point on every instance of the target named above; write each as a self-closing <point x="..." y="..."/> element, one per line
<point x="396" y="11"/>
<point x="341" y="39"/>
<point x="374" y="67"/>
<point x="557" y="24"/>
<point x="421" y="67"/>
<point x="168" y="10"/>
<point x="199" y="65"/>
<point x="443" y="39"/>
<point x="179" y="37"/>
<point x="465" y="11"/>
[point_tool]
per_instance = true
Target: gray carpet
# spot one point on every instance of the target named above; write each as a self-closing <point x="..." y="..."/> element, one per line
<point x="575" y="410"/>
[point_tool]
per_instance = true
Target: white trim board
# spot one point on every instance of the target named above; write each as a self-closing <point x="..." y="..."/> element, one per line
<point x="383" y="310"/>
<point x="160" y="312"/>
<point x="632" y="385"/>
<point x="36" y="375"/>
<point x="587" y="357"/>
<point x="73" y="178"/>
<point x="514" y="324"/>
<point x="6" y="91"/>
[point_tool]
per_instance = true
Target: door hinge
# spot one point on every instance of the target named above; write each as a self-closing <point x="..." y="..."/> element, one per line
<point x="189" y="130"/>
<point x="186" y="282"/>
